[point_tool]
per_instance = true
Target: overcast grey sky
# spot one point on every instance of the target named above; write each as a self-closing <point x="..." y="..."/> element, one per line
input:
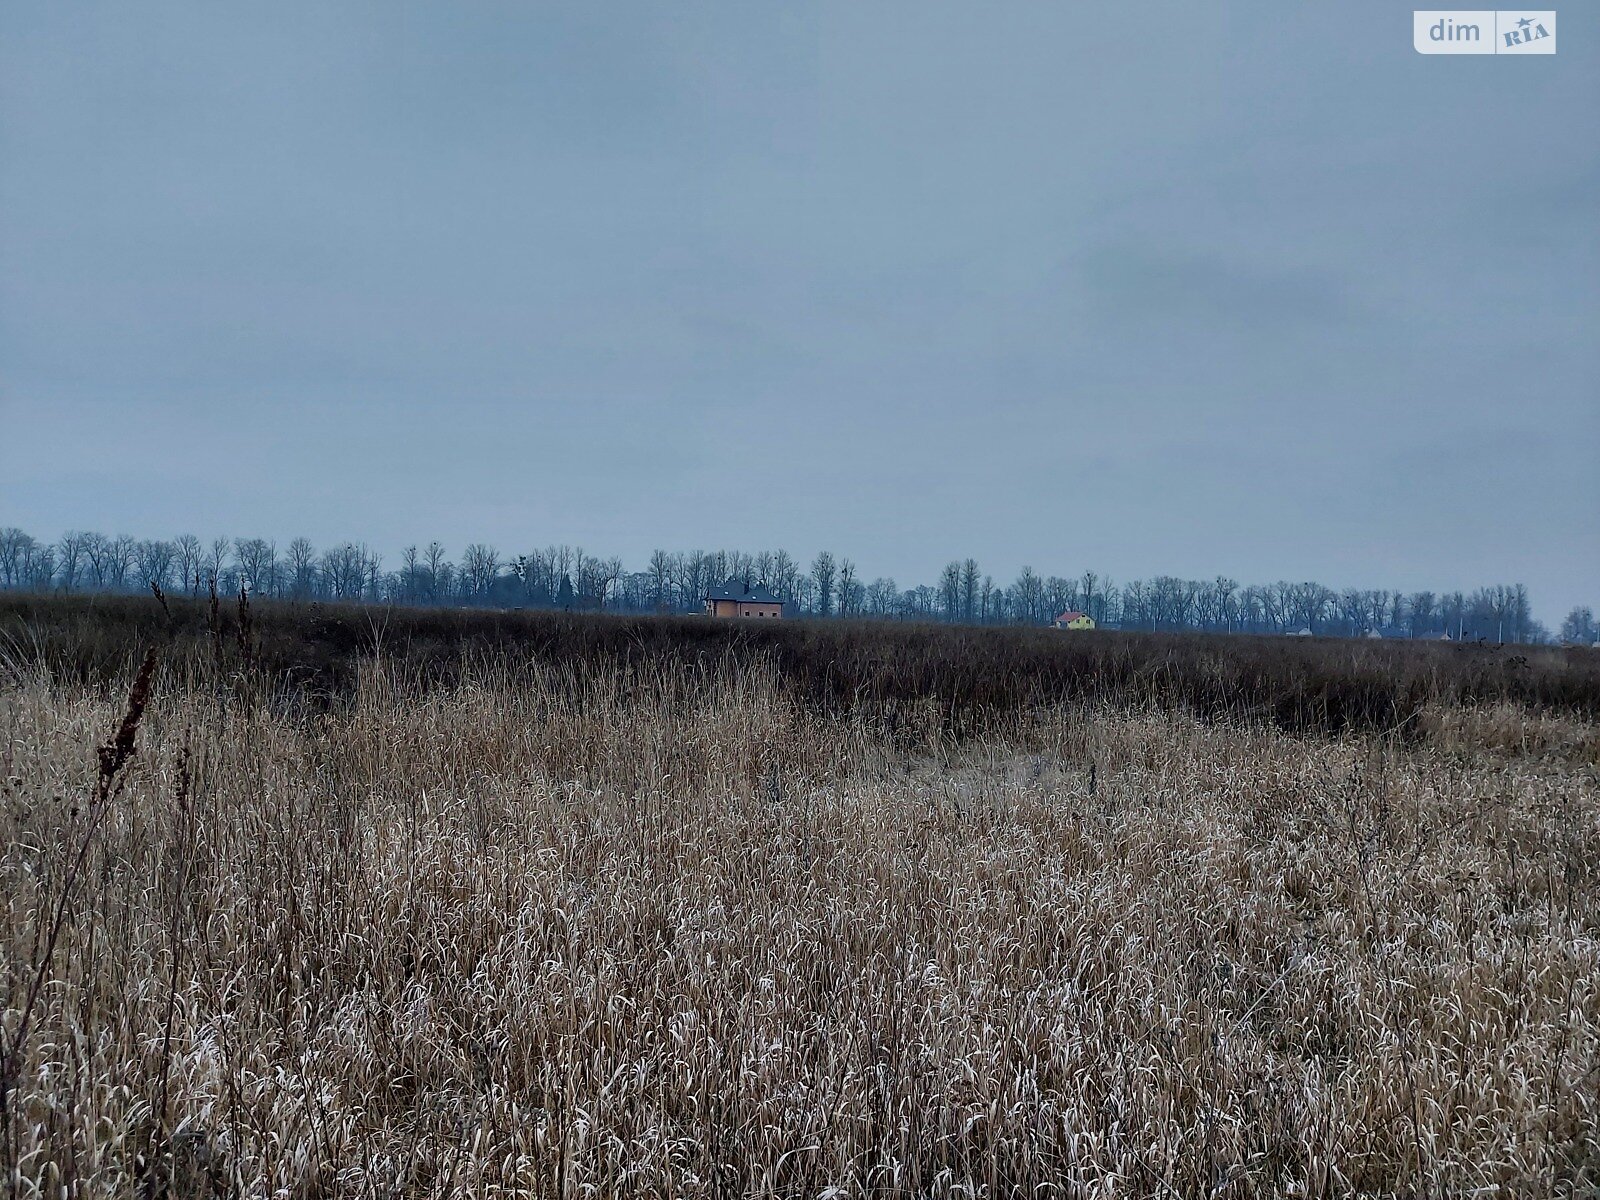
<point x="1163" y="288"/>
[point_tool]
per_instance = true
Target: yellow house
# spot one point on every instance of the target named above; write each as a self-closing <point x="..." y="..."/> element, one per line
<point x="1073" y="619"/>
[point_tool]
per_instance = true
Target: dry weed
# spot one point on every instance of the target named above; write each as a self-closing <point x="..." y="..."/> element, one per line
<point x="557" y="931"/>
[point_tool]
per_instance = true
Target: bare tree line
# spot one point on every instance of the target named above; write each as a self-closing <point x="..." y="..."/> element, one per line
<point x="568" y="577"/>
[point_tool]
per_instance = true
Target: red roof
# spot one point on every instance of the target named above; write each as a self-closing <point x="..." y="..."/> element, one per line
<point x="1071" y="614"/>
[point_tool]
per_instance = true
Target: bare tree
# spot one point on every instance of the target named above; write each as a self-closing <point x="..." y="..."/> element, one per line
<point x="69" y="559"/>
<point x="258" y="562"/>
<point x="39" y="566"/>
<point x="990" y="601"/>
<point x="1223" y="589"/>
<point x="950" y="591"/>
<point x="1579" y="629"/>
<point x="15" y="548"/>
<point x="410" y="587"/>
<point x="850" y="590"/>
<point x="438" y="571"/>
<point x="300" y="560"/>
<point x="1135" y="608"/>
<point x="216" y="558"/>
<point x="188" y="553"/>
<point x="804" y="593"/>
<point x="607" y="573"/>
<point x="1253" y="610"/>
<point x="1059" y="596"/>
<point x="374" y="562"/>
<point x="823" y="575"/>
<point x="155" y="558"/>
<point x="1027" y="598"/>
<point x="661" y="580"/>
<point x="1353" y="610"/>
<point x="121" y="552"/>
<point x="969" y="590"/>
<point x="1421" y="609"/>
<point x="1171" y="601"/>
<point x="345" y="571"/>
<point x="1307" y="604"/>
<point x="882" y="597"/>
<point x="785" y="573"/>
<point x="480" y="564"/>
<point x="97" y="557"/>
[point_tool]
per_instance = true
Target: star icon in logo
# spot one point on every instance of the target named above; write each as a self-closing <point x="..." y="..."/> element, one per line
<point x="1525" y="22"/>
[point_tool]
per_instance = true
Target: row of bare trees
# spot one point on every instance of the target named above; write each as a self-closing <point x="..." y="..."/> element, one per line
<point x="568" y="577"/>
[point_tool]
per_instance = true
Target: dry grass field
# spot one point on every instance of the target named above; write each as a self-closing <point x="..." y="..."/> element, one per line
<point x="671" y="916"/>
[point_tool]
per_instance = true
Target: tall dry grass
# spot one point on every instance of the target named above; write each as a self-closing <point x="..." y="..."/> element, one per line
<point x="668" y="929"/>
<point x="971" y="677"/>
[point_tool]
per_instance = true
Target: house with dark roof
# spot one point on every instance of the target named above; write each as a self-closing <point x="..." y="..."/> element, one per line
<point x="735" y="598"/>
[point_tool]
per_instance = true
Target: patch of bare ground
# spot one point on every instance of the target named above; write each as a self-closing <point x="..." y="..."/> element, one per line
<point x="563" y="930"/>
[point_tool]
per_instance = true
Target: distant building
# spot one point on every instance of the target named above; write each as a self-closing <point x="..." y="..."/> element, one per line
<point x="738" y="599"/>
<point x="1301" y="632"/>
<point x="1073" y="619"/>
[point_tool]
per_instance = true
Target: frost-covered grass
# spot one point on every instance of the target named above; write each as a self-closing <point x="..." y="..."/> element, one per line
<point x="667" y="931"/>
